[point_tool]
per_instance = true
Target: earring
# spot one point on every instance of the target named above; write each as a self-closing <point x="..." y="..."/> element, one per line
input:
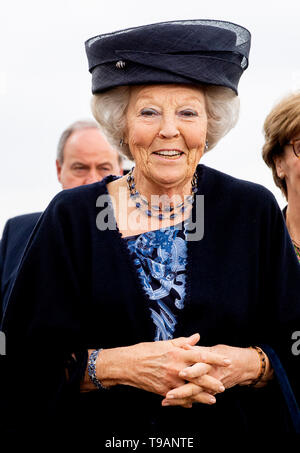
<point x="206" y="145"/>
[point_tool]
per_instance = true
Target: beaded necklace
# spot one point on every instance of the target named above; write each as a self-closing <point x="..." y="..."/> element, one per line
<point x="158" y="211"/>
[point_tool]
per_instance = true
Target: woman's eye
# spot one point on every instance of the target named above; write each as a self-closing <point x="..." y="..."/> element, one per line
<point x="149" y="112"/>
<point x="188" y="113"/>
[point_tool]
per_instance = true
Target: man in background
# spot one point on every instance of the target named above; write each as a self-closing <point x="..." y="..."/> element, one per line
<point x="83" y="157"/>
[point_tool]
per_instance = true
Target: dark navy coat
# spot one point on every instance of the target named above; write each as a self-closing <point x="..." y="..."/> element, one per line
<point x="77" y="289"/>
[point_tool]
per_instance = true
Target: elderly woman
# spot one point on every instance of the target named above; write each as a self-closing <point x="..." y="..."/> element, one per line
<point x="281" y="152"/>
<point x="122" y="276"/>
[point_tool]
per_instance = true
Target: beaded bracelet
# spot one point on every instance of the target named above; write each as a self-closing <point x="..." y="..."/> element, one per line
<point x="92" y="369"/>
<point x="263" y="364"/>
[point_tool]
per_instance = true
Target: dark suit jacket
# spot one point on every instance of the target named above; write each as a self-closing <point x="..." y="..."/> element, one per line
<point x="16" y="234"/>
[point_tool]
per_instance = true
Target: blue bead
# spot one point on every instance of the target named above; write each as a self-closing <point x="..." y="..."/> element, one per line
<point x="149" y="213"/>
<point x="160" y="216"/>
<point x="138" y="205"/>
<point x="172" y="216"/>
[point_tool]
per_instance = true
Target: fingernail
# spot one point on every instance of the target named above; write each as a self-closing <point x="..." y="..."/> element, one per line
<point x="165" y="403"/>
<point x="221" y="388"/>
<point x="183" y="373"/>
<point x="212" y="400"/>
<point x="227" y="362"/>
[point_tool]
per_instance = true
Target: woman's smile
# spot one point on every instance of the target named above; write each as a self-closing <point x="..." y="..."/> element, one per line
<point x="168" y="154"/>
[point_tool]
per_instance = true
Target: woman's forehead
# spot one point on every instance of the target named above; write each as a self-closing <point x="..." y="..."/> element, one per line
<point x="166" y="91"/>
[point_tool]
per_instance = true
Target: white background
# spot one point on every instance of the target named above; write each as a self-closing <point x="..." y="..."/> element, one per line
<point x="45" y="84"/>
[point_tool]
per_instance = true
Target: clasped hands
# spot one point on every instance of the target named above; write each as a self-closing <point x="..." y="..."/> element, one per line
<point x="185" y="373"/>
<point x="217" y="368"/>
<point x="178" y="370"/>
<point x="202" y="378"/>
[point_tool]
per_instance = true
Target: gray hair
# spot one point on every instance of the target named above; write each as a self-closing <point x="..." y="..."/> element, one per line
<point x="76" y="126"/>
<point x="222" y="107"/>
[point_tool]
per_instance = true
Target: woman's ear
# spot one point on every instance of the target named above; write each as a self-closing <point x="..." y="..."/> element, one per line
<point x="278" y="160"/>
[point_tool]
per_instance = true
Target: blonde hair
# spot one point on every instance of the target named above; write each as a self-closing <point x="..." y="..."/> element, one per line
<point x="109" y="108"/>
<point x="281" y="125"/>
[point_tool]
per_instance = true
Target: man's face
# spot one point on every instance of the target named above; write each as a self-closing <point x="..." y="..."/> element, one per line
<point x="88" y="158"/>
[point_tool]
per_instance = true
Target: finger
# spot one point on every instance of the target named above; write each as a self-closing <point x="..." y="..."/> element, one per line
<point x="184" y="391"/>
<point x="202" y="397"/>
<point x="184" y="404"/>
<point x="195" y="371"/>
<point x="202" y="354"/>
<point x="182" y="341"/>
<point x="209" y="384"/>
<point x="187" y="346"/>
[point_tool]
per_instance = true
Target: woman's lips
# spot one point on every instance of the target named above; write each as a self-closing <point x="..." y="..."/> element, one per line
<point x="169" y="154"/>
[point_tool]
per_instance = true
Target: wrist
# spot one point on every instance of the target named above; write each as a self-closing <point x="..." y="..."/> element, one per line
<point x="111" y="367"/>
<point x="259" y="370"/>
<point x="252" y="366"/>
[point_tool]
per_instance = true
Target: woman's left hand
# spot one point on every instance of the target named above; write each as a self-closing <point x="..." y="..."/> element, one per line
<point x="244" y="368"/>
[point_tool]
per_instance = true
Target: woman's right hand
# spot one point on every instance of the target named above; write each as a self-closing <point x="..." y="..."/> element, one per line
<point x="155" y="366"/>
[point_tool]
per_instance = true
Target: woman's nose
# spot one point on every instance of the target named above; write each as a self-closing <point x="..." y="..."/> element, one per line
<point x="168" y="128"/>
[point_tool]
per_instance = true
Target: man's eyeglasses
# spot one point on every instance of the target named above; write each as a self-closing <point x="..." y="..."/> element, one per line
<point x="296" y="146"/>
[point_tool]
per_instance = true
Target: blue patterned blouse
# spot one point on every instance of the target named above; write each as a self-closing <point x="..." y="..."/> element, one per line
<point x="160" y="258"/>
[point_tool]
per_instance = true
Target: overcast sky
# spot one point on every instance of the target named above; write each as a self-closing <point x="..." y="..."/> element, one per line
<point x="45" y="84"/>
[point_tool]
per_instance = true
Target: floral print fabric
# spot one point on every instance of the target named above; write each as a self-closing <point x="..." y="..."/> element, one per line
<point x="160" y="258"/>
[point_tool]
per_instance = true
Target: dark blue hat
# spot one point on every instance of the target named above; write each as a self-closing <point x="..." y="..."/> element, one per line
<point x="190" y="51"/>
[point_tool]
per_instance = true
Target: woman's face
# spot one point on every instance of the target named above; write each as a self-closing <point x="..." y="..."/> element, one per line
<point x="288" y="167"/>
<point x="166" y="132"/>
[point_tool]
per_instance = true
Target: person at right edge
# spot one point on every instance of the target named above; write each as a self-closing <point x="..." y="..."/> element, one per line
<point x="105" y="314"/>
<point x="281" y="152"/>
